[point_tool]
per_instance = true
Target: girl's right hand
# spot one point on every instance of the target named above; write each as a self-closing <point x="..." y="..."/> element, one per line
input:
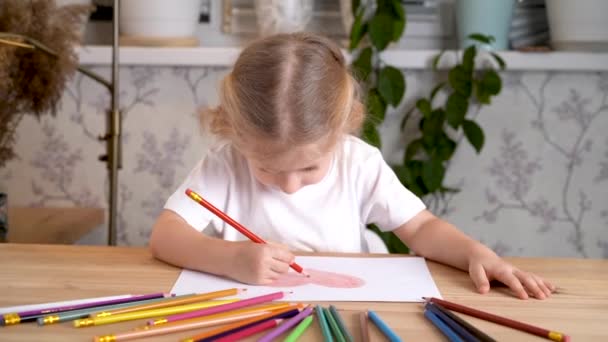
<point x="259" y="263"/>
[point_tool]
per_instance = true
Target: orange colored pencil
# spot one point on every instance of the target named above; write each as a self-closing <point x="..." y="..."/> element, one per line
<point x="364" y="327"/>
<point x="552" y="335"/>
<point x="180" y="301"/>
<point x="200" y="200"/>
<point x="190" y="324"/>
<point x="236" y="325"/>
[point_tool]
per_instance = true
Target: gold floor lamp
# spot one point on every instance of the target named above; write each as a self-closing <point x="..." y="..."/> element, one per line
<point x="113" y="123"/>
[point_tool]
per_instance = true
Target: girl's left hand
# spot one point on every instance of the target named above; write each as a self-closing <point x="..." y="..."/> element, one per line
<point x="482" y="270"/>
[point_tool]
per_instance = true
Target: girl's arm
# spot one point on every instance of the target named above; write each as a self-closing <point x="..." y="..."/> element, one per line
<point x="174" y="241"/>
<point x="436" y="239"/>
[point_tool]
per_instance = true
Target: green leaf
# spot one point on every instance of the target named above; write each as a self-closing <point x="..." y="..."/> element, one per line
<point x="375" y="106"/>
<point x="481" y="38"/>
<point x="370" y="134"/>
<point x="391" y="85"/>
<point x="405" y="118"/>
<point x="499" y="60"/>
<point x="436" y="90"/>
<point x="362" y="66"/>
<point x="399" y="19"/>
<point x="474" y="134"/>
<point x="417" y="186"/>
<point x="403" y="174"/>
<point x="436" y="60"/>
<point x="354" y="6"/>
<point x="424" y="106"/>
<point x="412" y="149"/>
<point x="468" y="58"/>
<point x="432" y="126"/>
<point x="456" y="109"/>
<point x="433" y="172"/>
<point x="491" y="82"/>
<point x="445" y="147"/>
<point x="357" y="30"/>
<point x="381" y="30"/>
<point x="489" y="85"/>
<point x="460" y="80"/>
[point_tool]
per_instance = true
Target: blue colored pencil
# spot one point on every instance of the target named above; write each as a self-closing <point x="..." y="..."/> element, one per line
<point x="383" y="326"/>
<point x="449" y="333"/>
<point x="324" y="325"/>
<point x="459" y="329"/>
<point x="471" y="328"/>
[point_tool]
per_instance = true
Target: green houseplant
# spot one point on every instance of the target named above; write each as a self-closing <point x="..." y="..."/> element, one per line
<point x="441" y="124"/>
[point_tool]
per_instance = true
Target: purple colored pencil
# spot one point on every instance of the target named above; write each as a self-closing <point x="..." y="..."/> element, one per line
<point x="224" y="307"/>
<point x="286" y="325"/>
<point x="135" y="298"/>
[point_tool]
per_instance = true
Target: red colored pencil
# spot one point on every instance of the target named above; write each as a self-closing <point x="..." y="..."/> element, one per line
<point x="254" y="329"/>
<point x="552" y="335"/>
<point x="200" y="200"/>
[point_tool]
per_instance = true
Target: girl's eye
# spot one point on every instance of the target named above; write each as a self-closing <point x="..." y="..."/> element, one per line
<point x="311" y="168"/>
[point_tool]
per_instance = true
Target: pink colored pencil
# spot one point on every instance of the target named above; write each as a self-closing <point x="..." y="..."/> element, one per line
<point x="225" y="307"/>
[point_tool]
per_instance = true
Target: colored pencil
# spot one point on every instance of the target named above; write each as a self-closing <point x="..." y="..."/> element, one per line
<point x="552" y="335"/>
<point x="471" y="328"/>
<point x="384" y="328"/>
<point x="299" y="329"/>
<point x="32" y="315"/>
<point x="324" y="324"/>
<point x="333" y="325"/>
<point x="249" y="234"/>
<point x="230" y="328"/>
<point x="341" y="325"/>
<point x="254" y="329"/>
<point x="161" y="322"/>
<point x="48" y="305"/>
<point x="364" y="327"/>
<point x="457" y="328"/>
<point x="173" y="302"/>
<point x="444" y="328"/>
<point x="82" y="313"/>
<point x="191" y="324"/>
<point x="225" y="307"/>
<point x="129" y="316"/>
<point x="286" y="325"/>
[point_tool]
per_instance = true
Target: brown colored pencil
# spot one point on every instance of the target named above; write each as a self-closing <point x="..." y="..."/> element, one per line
<point x="364" y="328"/>
<point x="552" y="335"/>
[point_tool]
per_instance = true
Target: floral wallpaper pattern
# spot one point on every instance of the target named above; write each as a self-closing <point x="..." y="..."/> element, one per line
<point x="538" y="188"/>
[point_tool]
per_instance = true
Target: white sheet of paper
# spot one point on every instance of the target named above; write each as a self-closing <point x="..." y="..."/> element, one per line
<point x="392" y="279"/>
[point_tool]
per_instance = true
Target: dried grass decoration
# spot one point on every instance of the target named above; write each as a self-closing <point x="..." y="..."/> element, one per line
<point x="32" y="80"/>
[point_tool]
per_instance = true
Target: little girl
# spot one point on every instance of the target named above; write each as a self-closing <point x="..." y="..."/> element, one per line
<point x="291" y="169"/>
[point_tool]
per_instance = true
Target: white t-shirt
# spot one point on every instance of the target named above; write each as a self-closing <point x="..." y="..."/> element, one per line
<point x="359" y="188"/>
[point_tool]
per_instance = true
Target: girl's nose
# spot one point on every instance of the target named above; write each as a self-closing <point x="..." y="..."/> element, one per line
<point x="290" y="183"/>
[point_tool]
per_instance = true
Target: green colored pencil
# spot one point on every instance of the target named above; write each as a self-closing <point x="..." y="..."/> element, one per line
<point x="299" y="330"/>
<point x="334" y="325"/>
<point x="347" y="336"/>
<point x="323" y="323"/>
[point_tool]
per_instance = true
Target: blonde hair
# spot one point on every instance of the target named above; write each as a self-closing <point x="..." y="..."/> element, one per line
<point x="290" y="90"/>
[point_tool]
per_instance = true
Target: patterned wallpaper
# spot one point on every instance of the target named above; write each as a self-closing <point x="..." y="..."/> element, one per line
<point x="538" y="188"/>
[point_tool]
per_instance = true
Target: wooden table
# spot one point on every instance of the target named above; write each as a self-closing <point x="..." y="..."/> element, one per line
<point x="43" y="273"/>
<point x="52" y="225"/>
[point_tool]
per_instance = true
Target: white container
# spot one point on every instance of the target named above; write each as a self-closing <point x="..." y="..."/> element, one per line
<point x="159" y="18"/>
<point x="282" y="16"/>
<point x="579" y="25"/>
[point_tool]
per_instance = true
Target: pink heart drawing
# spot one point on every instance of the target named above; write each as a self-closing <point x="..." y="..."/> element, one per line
<point x="322" y="278"/>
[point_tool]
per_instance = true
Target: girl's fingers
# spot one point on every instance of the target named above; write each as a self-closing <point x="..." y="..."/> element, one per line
<point x="544" y="285"/>
<point x="279" y="267"/>
<point x="531" y="283"/>
<point x="509" y="279"/>
<point x="479" y="277"/>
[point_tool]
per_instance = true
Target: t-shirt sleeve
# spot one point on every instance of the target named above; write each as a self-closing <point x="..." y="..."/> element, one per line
<point x="385" y="201"/>
<point x="210" y="178"/>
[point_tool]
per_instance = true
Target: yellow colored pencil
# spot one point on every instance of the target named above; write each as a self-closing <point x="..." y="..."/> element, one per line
<point x="194" y="323"/>
<point x="129" y="316"/>
<point x="171" y="302"/>
<point x="266" y="307"/>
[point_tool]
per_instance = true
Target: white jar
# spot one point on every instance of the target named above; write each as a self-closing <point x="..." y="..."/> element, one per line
<point x="159" y="18"/>
<point x="578" y="25"/>
<point x="282" y="16"/>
